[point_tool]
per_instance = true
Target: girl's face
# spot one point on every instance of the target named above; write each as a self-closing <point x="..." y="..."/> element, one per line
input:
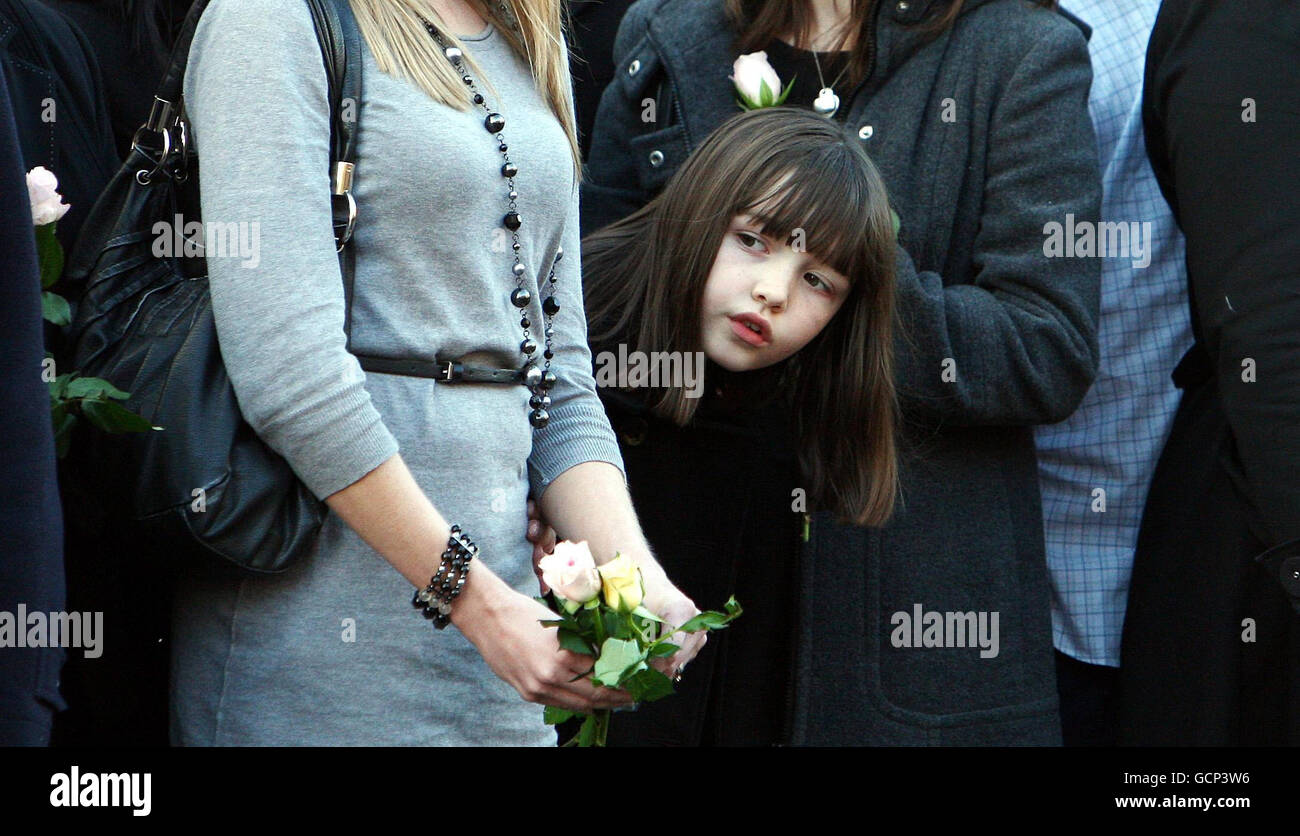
<point x="763" y="300"/>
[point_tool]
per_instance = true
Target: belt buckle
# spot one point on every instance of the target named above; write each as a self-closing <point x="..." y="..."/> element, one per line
<point x="448" y="373"/>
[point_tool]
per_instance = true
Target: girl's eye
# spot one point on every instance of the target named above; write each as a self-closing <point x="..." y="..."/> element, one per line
<point x="748" y="240"/>
<point x="818" y="282"/>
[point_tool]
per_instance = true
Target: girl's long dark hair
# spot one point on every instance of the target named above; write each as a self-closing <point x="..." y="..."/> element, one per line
<point x="759" y="22"/>
<point x="804" y="178"/>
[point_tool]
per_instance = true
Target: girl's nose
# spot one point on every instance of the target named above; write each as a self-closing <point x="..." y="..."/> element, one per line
<point x="771" y="290"/>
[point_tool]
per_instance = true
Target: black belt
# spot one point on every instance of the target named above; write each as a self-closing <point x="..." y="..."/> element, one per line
<point x="443" y="371"/>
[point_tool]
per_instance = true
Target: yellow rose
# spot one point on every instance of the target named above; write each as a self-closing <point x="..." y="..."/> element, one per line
<point x="621" y="582"/>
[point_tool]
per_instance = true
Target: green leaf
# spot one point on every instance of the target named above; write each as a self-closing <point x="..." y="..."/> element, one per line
<point x="63" y="423"/>
<point x="615" y="626"/>
<point x="649" y="685"/>
<point x="54" y="308"/>
<point x="587" y="734"/>
<point x="765" y="96"/>
<point x="785" y="94"/>
<point x="112" y="417"/>
<point x="50" y="253"/>
<point x="646" y="614"/>
<point x="59" y="385"/>
<point x="711" y="619"/>
<point x="95" y="388"/>
<point x="570" y="640"/>
<point x="663" y="649"/>
<point x="617" y="656"/>
<point x="553" y="716"/>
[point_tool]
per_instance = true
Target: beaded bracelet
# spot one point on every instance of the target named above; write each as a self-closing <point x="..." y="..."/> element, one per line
<point x="445" y="586"/>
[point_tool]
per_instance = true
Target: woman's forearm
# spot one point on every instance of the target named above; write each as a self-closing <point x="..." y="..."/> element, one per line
<point x="388" y="510"/>
<point x="590" y="502"/>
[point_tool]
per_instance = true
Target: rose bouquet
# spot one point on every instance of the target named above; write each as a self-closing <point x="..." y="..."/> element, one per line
<point x="600" y="615"/>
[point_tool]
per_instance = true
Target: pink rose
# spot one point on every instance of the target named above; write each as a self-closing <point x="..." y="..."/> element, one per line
<point x="43" y="193"/>
<point x="570" y="572"/>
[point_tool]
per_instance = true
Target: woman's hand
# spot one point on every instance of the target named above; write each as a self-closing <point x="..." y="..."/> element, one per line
<point x="505" y="628"/>
<point x="661" y="597"/>
<point x="667" y="601"/>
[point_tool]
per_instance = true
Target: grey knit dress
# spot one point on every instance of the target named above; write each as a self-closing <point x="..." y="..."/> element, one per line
<point x="332" y="653"/>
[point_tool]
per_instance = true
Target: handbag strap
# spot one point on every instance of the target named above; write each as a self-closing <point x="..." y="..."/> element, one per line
<point x="340" y="45"/>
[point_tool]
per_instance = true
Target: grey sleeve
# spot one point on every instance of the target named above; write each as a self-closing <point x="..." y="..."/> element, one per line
<point x="256" y="94"/>
<point x="1022" y="338"/>
<point x="579" y="430"/>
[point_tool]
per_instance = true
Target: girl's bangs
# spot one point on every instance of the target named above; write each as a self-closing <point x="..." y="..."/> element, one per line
<point x="825" y="196"/>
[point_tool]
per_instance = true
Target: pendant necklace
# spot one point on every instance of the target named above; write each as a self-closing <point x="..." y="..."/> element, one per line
<point x="827" y="103"/>
<point x="538" y="380"/>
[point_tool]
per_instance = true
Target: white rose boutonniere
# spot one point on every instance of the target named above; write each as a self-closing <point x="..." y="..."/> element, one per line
<point x="757" y="84"/>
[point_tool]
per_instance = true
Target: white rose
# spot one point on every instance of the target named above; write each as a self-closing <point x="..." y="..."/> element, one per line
<point x="749" y="72"/>
<point x="570" y="571"/>
<point x="43" y="193"/>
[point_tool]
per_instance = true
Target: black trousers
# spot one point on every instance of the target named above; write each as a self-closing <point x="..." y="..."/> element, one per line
<point x="1089" y="702"/>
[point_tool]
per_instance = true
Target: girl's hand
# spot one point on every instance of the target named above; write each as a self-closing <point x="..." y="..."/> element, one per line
<point x="505" y="628"/>
<point x="543" y="538"/>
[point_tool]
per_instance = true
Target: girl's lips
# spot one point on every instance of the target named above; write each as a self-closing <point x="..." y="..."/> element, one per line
<point x="749" y="335"/>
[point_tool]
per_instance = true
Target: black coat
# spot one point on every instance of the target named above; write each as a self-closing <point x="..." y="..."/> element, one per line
<point x="715" y="501"/>
<point x="591" y="60"/>
<point x="131" y="65"/>
<point x="976" y="295"/>
<point x="1220" y="538"/>
<point x="31" y="521"/>
<point x="58" y="99"/>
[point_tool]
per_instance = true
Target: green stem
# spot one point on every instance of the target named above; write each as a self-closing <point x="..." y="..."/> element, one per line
<point x="602" y="727"/>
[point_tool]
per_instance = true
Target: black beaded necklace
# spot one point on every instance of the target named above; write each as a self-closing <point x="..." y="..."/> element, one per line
<point x="538" y="380"/>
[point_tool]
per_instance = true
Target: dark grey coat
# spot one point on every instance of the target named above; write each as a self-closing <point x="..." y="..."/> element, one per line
<point x="975" y="289"/>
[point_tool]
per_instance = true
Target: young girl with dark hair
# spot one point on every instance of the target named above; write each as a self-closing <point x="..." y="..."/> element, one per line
<point x="770" y="255"/>
<point x="976" y="114"/>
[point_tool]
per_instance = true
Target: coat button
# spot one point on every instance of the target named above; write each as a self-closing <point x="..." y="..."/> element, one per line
<point x="656" y="158"/>
<point x="634" y="67"/>
<point x="1291" y="575"/>
<point x="865" y="132"/>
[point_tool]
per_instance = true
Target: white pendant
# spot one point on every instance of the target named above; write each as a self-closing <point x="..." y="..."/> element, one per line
<point x="827" y="102"/>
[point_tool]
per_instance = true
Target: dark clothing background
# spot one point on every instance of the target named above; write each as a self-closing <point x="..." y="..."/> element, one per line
<point x="976" y="295"/>
<point x="1225" y="489"/>
<point x="715" y="501"/>
<point x="119" y="698"/>
<point x="591" y="59"/>
<point x="31" y="521"/>
<point x="131" y="66"/>
<point x="45" y="58"/>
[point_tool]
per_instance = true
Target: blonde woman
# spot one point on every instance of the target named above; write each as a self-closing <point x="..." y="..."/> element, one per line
<point x="332" y="652"/>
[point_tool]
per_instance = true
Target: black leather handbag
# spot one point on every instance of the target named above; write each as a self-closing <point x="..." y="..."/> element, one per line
<point x="205" y="486"/>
